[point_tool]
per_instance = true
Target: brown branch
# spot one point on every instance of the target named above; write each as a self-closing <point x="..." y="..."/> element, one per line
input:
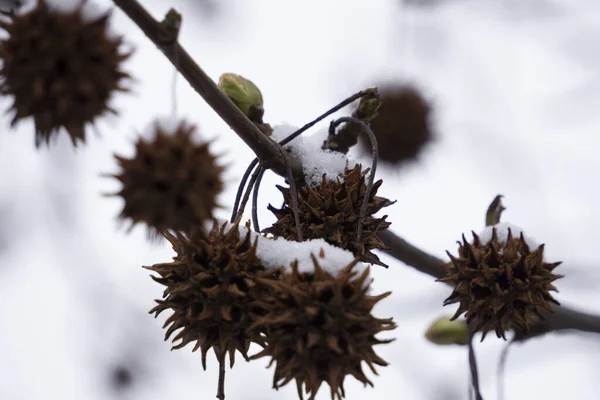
<point x="473" y="367"/>
<point x="563" y="317"/>
<point x="265" y="149"/>
<point x="270" y="156"/>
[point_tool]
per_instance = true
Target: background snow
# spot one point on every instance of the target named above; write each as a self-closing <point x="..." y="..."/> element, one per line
<point x="516" y="88"/>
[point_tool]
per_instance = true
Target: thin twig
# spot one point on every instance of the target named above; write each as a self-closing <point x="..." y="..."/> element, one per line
<point x="501" y="369"/>
<point x="255" y="199"/>
<point x="241" y="186"/>
<point x="473" y="367"/>
<point x="367" y="196"/>
<point x="174" y="95"/>
<point x="168" y="33"/>
<point x="288" y="139"/>
<point x="294" y="193"/>
<point x="341" y="105"/>
<point x="247" y="193"/>
<point x="221" y="384"/>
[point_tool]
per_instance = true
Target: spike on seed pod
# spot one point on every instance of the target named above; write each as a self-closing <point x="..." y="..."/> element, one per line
<point x="500" y="284"/>
<point x="172" y="182"/>
<point x="331" y="211"/>
<point x="319" y="329"/>
<point x="402" y="126"/>
<point x="61" y="68"/>
<point x="213" y="288"/>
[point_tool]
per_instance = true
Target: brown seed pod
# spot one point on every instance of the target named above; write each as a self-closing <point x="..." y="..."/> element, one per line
<point x="61" y="69"/>
<point x="211" y="287"/>
<point x="172" y="182"/>
<point x="500" y="285"/>
<point x="331" y="211"/>
<point x="319" y="328"/>
<point x="402" y="125"/>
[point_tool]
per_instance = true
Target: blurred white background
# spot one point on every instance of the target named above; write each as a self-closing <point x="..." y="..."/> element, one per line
<point x="515" y="87"/>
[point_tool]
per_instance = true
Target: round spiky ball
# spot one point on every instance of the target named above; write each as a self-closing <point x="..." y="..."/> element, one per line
<point x="331" y="211"/>
<point x="402" y="126"/>
<point x="61" y="68"/>
<point x="319" y="329"/>
<point x="212" y="289"/>
<point x="500" y="284"/>
<point x="172" y="182"/>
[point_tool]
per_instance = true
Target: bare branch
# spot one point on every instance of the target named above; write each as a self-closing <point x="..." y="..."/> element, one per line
<point x="563" y="317"/>
<point x="265" y="149"/>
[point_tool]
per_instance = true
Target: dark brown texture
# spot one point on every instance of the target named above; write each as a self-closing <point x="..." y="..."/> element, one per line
<point x="172" y="182"/>
<point x="500" y="285"/>
<point x="212" y="289"/>
<point x="402" y="125"/>
<point x="61" y="69"/>
<point x="319" y="329"/>
<point x="331" y="211"/>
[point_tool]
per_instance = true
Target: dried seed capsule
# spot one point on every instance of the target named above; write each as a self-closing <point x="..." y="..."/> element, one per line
<point x="331" y="211"/>
<point x="172" y="182"/>
<point x="319" y="329"/>
<point x="61" y="68"/>
<point x="500" y="284"/>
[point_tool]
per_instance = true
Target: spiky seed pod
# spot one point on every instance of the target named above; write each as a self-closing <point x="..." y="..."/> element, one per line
<point x="402" y="125"/>
<point x="319" y="328"/>
<point x="500" y="285"/>
<point x="211" y="287"/>
<point x="172" y="182"/>
<point x="61" y="69"/>
<point x="331" y="211"/>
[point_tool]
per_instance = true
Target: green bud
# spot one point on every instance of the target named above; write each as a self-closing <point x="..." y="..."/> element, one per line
<point x="242" y="92"/>
<point x="444" y="331"/>
<point x="494" y="212"/>
<point x="367" y="109"/>
<point x="169" y="27"/>
<point x="173" y="18"/>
